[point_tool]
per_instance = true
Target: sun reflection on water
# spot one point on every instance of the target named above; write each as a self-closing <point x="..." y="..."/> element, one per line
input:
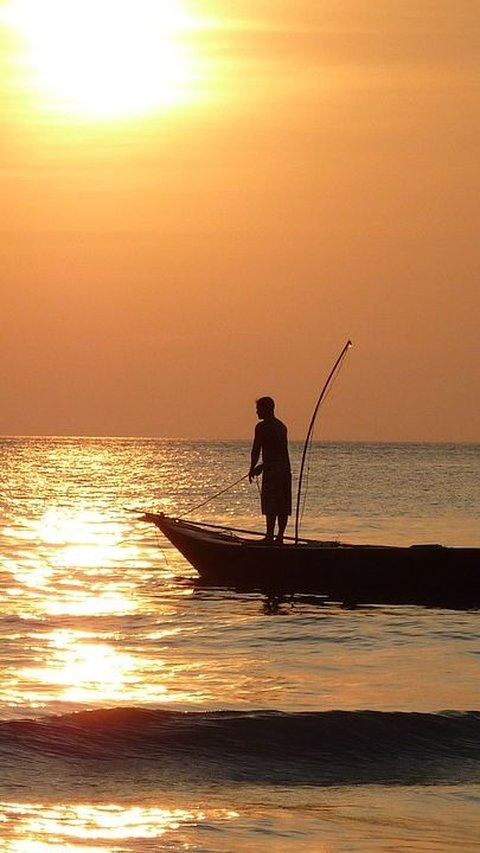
<point x="76" y="570"/>
<point x="94" y="603"/>
<point x="85" y="538"/>
<point x="76" y="668"/>
<point x="38" y="828"/>
<point x="95" y="640"/>
<point x="97" y="615"/>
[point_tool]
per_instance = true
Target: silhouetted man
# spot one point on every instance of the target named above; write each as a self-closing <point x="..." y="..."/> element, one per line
<point x="271" y="441"/>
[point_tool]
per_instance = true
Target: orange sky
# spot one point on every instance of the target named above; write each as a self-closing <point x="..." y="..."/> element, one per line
<point x="317" y="180"/>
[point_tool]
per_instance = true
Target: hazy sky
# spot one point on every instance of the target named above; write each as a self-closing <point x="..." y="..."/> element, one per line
<point x="180" y="238"/>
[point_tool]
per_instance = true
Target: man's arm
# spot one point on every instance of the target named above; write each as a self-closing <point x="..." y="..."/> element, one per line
<point x="255" y="455"/>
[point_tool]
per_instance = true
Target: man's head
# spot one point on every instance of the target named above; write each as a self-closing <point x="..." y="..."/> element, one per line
<point x="265" y="407"/>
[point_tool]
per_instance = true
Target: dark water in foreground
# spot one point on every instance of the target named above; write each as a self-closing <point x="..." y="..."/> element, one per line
<point x="141" y="712"/>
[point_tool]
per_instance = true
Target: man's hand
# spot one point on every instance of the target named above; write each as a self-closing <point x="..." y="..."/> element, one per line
<point x="254" y="472"/>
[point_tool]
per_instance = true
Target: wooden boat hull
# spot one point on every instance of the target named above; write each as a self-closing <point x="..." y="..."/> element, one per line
<point x="423" y="574"/>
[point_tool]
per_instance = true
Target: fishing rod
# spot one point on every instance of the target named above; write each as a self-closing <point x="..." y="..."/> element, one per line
<point x="324" y="390"/>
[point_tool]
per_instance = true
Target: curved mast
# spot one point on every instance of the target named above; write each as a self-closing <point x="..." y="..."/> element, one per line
<point x="310" y="430"/>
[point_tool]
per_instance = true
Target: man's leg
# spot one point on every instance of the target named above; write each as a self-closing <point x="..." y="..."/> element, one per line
<point x="282" y="523"/>
<point x="270" y="526"/>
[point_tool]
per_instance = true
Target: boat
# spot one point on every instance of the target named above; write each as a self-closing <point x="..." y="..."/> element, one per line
<point x="349" y="573"/>
<point x="352" y="574"/>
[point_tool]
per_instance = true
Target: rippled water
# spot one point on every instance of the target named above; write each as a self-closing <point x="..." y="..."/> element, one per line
<point x="99" y="614"/>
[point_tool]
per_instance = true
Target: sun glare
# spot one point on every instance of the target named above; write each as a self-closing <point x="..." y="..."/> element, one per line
<point x="107" y="59"/>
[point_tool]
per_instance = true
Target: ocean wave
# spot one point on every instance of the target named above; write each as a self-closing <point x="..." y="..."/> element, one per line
<point x="314" y="748"/>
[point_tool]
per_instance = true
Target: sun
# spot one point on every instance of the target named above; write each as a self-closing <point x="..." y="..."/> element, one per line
<point x="105" y="59"/>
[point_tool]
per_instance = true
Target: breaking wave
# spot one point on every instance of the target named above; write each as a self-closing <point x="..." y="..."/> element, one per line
<point x="324" y="748"/>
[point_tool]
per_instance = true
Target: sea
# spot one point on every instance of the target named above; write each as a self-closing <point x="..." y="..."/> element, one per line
<point x="141" y="711"/>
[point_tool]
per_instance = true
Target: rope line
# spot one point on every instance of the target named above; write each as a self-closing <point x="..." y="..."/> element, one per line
<point x="212" y="497"/>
